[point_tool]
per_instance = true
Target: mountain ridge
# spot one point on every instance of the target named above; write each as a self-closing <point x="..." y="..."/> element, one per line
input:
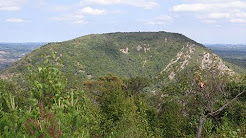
<point x="129" y="54"/>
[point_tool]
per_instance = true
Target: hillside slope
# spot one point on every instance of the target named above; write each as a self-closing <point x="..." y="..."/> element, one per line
<point x="145" y="54"/>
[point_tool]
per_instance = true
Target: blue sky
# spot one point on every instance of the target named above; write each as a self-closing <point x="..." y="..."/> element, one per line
<point x="206" y="21"/>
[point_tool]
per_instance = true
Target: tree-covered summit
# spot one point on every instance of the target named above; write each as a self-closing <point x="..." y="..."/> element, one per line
<point x="130" y="54"/>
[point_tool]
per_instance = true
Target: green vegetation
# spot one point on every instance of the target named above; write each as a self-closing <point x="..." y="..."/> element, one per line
<point x="97" y="55"/>
<point x="177" y="92"/>
<point x="114" y="107"/>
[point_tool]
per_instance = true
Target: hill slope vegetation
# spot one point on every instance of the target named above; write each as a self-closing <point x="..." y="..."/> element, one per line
<point x="148" y="54"/>
<point x="166" y="86"/>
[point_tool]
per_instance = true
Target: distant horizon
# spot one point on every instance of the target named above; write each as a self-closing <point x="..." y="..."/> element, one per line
<point x="205" y="21"/>
<point x="120" y="32"/>
<point x="71" y="39"/>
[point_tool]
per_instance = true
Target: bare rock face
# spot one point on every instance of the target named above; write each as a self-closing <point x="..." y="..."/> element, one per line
<point x="181" y="60"/>
<point x="213" y="61"/>
<point x="171" y="76"/>
<point x="146" y="49"/>
<point x="89" y="76"/>
<point x="206" y="61"/>
<point x="139" y="47"/>
<point x="125" y="51"/>
<point x="224" y="68"/>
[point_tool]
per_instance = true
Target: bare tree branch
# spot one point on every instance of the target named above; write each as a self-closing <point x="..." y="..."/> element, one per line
<point x="224" y="106"/>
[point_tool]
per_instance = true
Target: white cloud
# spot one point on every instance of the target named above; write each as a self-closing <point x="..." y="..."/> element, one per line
<point x="76" y="18"/>
<point x="160" y="20"/>
<point x="214" y="10"/>
<point x="60" y="8"/>
<point x="219" y="15"/>
<point x="155" y="23"/>
<point x="209" y="21"/>
<point x="9" y="8"/>
<point x="241" y="14"/>
<point x="79" y="22"/>
<point x="11" y="5"/>
<point x="15" y="20"/>
<point x="146" y="4"/>
<point x="201" y="7"/>
<point x="238" y="20"/>
<point x="91" y="11"/>
<point x="207" y="1"/>
<point x="190" y="7"/>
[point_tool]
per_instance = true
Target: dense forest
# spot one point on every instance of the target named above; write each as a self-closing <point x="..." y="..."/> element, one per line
<point x="200" y="100"/>
<point x="127" y="55"/>
<point x="111" y="106"/>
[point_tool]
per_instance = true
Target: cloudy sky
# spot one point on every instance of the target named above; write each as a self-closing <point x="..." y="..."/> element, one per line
<point x="206" y="21"/>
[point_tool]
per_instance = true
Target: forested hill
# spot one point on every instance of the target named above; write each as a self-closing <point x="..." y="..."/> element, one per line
<point x="146" y="54"/>
<point x="152" y="84"/>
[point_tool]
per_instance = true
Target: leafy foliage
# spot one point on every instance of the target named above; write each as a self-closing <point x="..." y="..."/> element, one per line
<point x="69" y="99"/>
<point x="97" y="55"/>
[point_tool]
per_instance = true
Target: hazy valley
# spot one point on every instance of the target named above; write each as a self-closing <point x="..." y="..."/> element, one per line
<point x="11" y="52"/>
<point x="232" y="53"/>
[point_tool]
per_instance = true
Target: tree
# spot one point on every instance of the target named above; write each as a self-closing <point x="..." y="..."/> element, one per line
<point x="59" y="111"/>
<point x="213" y="93"/>
<point x="47" y="83"/>
<point x="124" y="114"/>
<point x="202" y="94"/>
